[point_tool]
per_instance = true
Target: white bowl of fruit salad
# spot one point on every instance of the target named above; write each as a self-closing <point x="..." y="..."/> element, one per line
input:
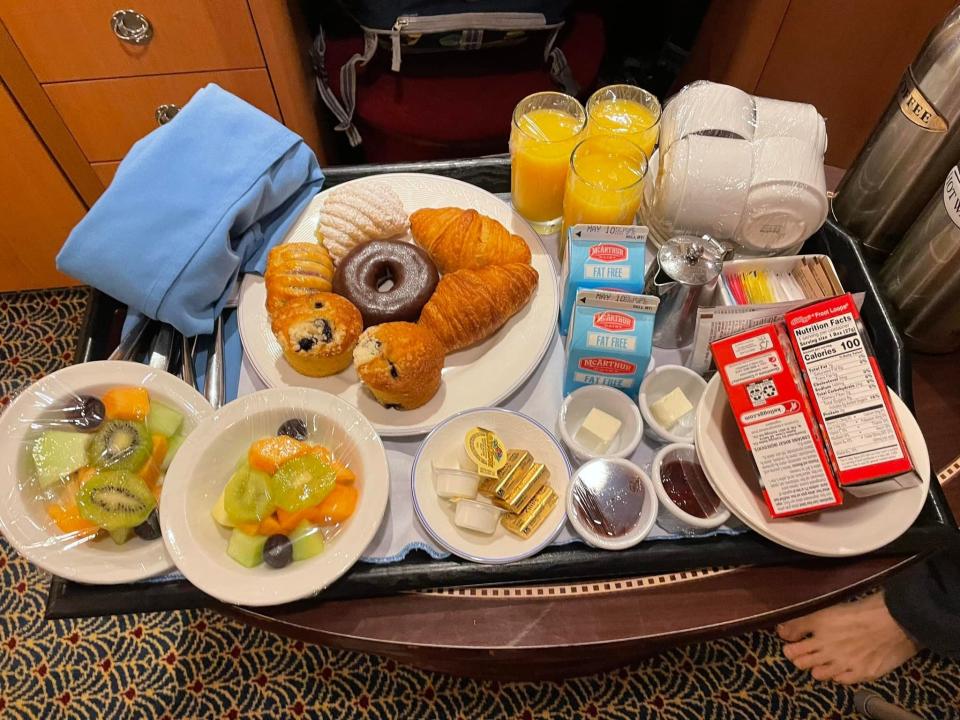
<point x="87" y="450"/>
<point x="275" y="496"/>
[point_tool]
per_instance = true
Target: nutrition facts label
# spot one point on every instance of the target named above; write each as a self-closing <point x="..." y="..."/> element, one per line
<point x="790" y="468"/>
<point x="846" y="390"/>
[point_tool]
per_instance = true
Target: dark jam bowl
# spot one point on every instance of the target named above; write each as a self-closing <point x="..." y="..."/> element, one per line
<point x="618" y="507"/>
<point x="688" y="503"/>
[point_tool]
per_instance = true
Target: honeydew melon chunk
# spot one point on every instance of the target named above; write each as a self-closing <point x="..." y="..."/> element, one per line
<point x="163" y="419"/>
<point x="57" y="454"/>
<point x="219" y="514"/>
<point x="307" y="541"/>
<point x="173" y="444"/>
<point x="246" y="549"/>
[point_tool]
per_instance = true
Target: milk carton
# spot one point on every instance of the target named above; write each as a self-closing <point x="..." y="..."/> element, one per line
<point x="609" y="340"/>
<point x="601" y="257"/>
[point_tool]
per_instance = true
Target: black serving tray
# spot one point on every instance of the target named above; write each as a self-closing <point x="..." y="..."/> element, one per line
<point x="933" y="528"/>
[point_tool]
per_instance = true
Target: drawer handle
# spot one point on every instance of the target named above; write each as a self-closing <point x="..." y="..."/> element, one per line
<point x="166" y="113"/>
<point x="131" y="27"/>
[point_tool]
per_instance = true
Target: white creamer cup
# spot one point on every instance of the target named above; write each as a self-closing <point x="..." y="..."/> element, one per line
<point x="707" y="108"/>
<point x="787" y="199"/>
<point x="703" y="184"/>
<point x="782" y="118"/>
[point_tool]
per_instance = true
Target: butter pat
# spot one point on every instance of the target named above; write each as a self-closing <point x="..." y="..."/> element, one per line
<point x="598" y="431"/>
<point x="669" y="409"/>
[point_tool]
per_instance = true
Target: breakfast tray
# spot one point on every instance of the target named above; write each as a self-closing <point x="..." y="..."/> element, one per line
<point x="569" y="562"/>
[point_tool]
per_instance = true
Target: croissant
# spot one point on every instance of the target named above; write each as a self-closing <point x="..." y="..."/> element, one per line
<point x="471" y="305"/>
<point x="457" y="239"/>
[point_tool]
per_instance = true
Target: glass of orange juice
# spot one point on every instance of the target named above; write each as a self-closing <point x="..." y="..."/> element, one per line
<point x="605" y="183"/>
<point x="625" y="110"/>
<point x="546" y="127"/>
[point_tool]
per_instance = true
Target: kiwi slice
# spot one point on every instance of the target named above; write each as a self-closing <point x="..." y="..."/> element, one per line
<point x="120" y="445"/>
<point x="302" y="482"/>
<point x="115" y="499"/>
<point x="246" y="498"/>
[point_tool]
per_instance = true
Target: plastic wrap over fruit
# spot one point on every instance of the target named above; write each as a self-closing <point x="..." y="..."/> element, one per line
<point x="275" y="495"/>
<point x="87" y="451"/>
<point x="743" y="169"/>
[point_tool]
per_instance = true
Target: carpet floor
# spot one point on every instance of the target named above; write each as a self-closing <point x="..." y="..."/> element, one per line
<point x="198" y="664"/>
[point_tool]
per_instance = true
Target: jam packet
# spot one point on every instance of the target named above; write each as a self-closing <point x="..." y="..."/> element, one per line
<point x="610" y="339"/>
<point x="601" y="257"/>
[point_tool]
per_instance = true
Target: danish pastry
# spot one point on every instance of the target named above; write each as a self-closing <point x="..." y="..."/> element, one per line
<point x="295" y="270"/>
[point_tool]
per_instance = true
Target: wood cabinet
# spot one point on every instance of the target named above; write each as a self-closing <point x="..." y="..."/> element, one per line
<point x="844" y="57"/>
<point x="74" y="39"/>
<point x="39" y="205"/>
<point x="85" y="79"/>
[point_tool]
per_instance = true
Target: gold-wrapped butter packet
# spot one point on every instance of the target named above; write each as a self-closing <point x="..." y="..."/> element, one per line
<point x="517" y="465"/>
<point x="485" y="449"/>
<point x="533" y="514"/>
<point x="522" y="488"/>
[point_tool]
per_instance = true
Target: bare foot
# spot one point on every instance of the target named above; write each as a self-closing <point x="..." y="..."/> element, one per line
<point x="849" y="642"/>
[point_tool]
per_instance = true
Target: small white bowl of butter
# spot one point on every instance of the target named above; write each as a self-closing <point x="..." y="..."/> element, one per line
<point x="598" y="421"/>
<point x="668" y="402"/>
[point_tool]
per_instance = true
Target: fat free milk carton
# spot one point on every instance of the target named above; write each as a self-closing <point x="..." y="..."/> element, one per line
<point x="609" y="340"/>
<point x="601" y="257"/>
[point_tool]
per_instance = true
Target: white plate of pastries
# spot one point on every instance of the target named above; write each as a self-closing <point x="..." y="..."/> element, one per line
<point x="411" y="296"/>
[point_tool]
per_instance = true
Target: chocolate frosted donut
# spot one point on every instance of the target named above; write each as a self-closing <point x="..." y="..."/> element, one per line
<point x="405" y="271"/>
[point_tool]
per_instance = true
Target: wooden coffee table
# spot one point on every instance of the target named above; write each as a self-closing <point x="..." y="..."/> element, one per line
<point x="558" y="627"/>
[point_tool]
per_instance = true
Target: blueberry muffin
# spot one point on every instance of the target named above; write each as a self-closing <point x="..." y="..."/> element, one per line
<point x="400" y="363"/>
<point x="318" y="333"/>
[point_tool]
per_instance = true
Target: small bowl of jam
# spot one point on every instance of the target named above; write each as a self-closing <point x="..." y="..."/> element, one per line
<point x="688" y="503"/>
<point x="611" y="503"/>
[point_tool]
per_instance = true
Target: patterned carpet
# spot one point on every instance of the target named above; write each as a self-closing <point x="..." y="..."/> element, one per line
<point x="201" y="665"/>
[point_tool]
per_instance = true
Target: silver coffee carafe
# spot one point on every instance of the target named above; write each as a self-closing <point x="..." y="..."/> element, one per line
<point x="922" y="277"/>
<point x="911" y="149"/>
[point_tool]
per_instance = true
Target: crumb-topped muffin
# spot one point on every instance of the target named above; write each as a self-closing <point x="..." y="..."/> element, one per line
<point x="318" y="333"/>
<point x="400" y="363"/>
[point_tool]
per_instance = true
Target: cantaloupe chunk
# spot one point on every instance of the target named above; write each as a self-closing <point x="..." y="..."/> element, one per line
<point x="126" y="403"/>
<point x="267" y="454"/>
<point x="336" y="507"/>
<point x="150" y="472"/>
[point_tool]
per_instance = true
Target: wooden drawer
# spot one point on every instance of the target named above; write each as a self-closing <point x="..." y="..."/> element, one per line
<point x="74" y="39"/>
<point x="107" y="116"/>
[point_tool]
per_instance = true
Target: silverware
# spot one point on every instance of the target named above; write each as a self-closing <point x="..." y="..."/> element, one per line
<point x="131" y="341"/>
<point x="161" y="349"/>
<point x="186" y="361"/>
<point x="215" y="380"/>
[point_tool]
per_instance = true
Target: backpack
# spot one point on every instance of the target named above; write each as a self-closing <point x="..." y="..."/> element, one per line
<point x="435" y="26"/>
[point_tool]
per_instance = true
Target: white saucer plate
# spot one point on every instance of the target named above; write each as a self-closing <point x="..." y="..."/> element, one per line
<point x="478" y="376"/>
<point x="859" y="526"/>
<point x="442" y="447"/>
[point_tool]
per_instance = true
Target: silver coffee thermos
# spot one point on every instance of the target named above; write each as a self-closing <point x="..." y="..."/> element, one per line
<point x="911" y="149"/>
<point x="922" y="277"/>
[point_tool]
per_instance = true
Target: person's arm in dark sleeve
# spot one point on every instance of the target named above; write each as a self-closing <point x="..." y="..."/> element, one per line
<point x="924" y="599"/>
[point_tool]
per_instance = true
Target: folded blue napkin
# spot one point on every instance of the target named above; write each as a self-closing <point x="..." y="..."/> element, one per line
<point x="194" y="204"/>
